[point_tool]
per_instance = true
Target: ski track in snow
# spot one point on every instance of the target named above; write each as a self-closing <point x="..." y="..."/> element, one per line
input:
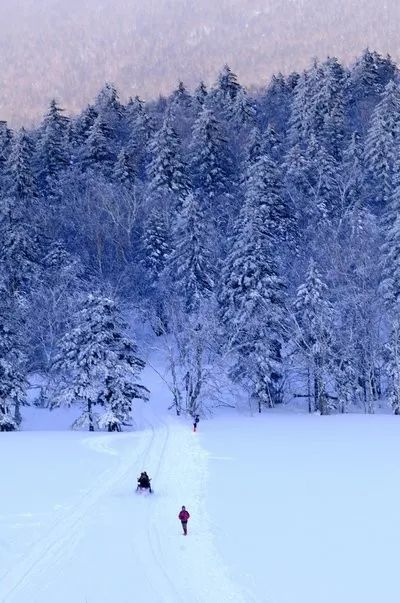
<point x="146" y="533"/>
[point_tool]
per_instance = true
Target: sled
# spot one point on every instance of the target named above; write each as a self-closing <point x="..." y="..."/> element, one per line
<point x="144" y="489"/>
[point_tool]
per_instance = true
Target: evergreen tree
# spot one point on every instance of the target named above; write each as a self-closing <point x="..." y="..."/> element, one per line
<point x="367" y="80"/>
<point x="318" y="107"/>
<point x="275" y="104"/>
<point x="241" y="111"/>
<point x="157" y="244"/>
<point x="52" y="147"/>
<point x="382" y="144"/>
<point x="189" y="266"/>
<point x="167" y="172"/>
<point x="13" y="383"/>
<point x="97" y="152"/>
<point x="139" y="132"/>
<point x="209" y="161"/>
<point x="200" y="97"/>
<point x="263" y="189"/>
<point x="391" y="245"/>
<point x="124" y="172"/>
<point x="272" y="144"/>
<point x="81" y="126"/>
<point x="393" y="367"/>
<point x="353" y="175"/>
<point x="313" y="326"/>
<point x="180" y="101"/>
<point x="100" y="365"/>
<point x="20" y="177"/>
<point x="299" y="123"/>
<point x="228" y="84"/>
<point x="21" y="247"/>
<point x="223" y="96"/>
<point x="5" y="147"/>
<point x="254" y="148"/>
<point x="108" y="106"/>
<point x="252" y="305"/>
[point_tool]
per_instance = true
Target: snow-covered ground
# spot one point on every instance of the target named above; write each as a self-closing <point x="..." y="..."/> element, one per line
<point x="285" y="508"/>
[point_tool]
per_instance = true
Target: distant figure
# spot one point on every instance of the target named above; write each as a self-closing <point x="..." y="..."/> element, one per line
<point x="184" y="517"/>
<point x="144" y="481"/>
<point x="196" y="420"/>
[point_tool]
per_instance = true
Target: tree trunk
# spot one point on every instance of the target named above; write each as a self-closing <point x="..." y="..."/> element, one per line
<point x="89" y="406"/>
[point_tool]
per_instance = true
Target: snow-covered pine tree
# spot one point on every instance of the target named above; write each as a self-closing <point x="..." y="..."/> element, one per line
<point x="251" y="300"/>
<point x="391" y="244"/>
<point x="222" y="96"/>
<point x="13" y="383"/>
<point x="190" y="265"/>
<point x="209" y="158"/>
<point x="391" y="284"/>
<point x="382" y="144"/>
<point x="313" y="323"/>
<point x="98" y="152"/>
<point x="124" y="171"/>
<point x="272" y="144"/>
<point x="21" y="181"/>
<point x="52" y="152"/>
<point x="322" y="176"/>
<point x="20" y="251"/>
<point x="367" y="79"/>
<point x="5" y="147"/>
<point x="241" y="110"/>
<point x="254" y="149"/>
<point x="81" y="126"/>
<point x="180" y="101"/>
<point x="275" y="104"/>
<point x="299" y="127"/>
<point x="111" y="111"/>
<point x="352" y="181"/>
<point x="227" y="83"/>
<point x="156" y="244"/>
<point x="139" y="128"/>
<point x="318" y="107"/>
<point x="99" y="365"/>
<point x="199" y="97"/>
<point x="263" y="189"/>
<point x="328" y="120"/>
<point x="393" y="366"/>
<point x="167" y="171"/>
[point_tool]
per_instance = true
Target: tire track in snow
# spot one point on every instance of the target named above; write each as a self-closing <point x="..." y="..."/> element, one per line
<point x="168" y="591"/>
<point x="51" y="547"/>
<point x="193" y="567"/>
<point x="200" y="575"/>
<point x="173" y="570"/>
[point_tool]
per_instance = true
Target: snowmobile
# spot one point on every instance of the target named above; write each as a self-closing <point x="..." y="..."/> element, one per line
<point x="144" y="484"/>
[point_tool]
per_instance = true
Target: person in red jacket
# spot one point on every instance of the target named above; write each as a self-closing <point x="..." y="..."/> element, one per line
<point x="184" y="517"/>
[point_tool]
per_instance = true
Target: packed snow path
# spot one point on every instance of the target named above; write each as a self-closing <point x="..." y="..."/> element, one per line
<point x="111" y="544"/>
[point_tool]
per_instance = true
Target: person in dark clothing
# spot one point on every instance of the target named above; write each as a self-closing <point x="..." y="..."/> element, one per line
<point x="184" y="517"/>
<point x="144" y="481"/>
<point x="196" y="420"/>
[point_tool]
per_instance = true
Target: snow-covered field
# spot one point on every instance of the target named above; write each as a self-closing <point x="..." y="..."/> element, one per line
<point x="285" y="508"/>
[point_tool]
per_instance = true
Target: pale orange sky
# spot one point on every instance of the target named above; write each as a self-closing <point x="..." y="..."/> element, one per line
<point x="67" y="50"/>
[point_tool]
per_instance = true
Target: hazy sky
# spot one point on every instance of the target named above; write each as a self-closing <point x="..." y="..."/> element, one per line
<point x="68" y="48"/>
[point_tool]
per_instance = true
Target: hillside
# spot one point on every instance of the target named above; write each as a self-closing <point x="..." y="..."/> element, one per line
<point x="67" y="50"/>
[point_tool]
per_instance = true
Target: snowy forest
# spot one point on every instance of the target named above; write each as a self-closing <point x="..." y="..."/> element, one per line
<point x="255" y="238"/>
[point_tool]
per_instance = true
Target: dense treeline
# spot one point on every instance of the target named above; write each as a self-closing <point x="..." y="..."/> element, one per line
<point x="257" y="238"/>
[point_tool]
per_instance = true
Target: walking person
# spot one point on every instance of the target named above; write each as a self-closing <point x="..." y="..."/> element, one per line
<point x="184" y="517"/>
<point x="196" y="420"/>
